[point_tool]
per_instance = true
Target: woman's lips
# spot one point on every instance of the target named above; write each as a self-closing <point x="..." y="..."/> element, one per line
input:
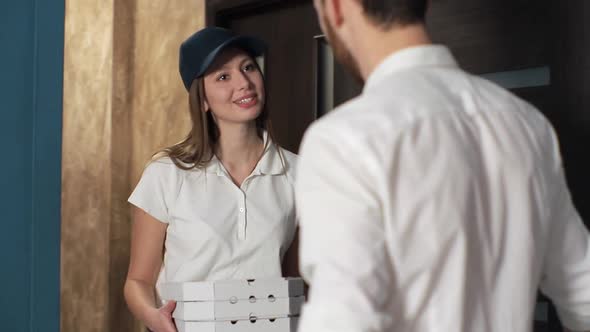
<point x="247" y="101"/>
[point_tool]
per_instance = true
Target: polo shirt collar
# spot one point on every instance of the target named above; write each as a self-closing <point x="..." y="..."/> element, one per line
<point x="271" y="163"/>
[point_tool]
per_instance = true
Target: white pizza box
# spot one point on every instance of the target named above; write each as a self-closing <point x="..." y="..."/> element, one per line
<point x="285" y="324"/>
<point x="231" y="289"/>
<point x="238" y="309"/>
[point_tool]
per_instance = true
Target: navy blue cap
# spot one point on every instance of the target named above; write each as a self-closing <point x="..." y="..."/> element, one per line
<point x="199" y="51"/>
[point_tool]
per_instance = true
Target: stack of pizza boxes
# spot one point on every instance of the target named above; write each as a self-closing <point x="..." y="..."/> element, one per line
<point x="255" y="305"/>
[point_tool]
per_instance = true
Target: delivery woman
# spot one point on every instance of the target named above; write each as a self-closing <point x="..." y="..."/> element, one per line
<point x="219" y="205"/>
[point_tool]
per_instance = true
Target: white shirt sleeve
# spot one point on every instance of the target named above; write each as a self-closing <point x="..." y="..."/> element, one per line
<point x="155" y="190"/>
<point x="348" y="268"/>
<point x="566" y="275"/>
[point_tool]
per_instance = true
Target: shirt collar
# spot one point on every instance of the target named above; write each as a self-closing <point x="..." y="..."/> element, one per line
<point x="408" y="58"/>
<point x="271" y="162"/>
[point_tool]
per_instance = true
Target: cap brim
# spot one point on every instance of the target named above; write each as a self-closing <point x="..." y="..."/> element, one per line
<point x="253" y="46"/>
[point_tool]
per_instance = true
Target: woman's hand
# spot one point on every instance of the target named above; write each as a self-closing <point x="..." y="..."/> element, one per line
<point x="162" y="319"/>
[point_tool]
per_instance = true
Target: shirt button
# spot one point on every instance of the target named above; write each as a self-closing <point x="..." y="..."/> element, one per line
<point x="242" y="210"/>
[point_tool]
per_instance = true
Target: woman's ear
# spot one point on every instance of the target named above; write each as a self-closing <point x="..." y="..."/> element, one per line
<point x="206" y="107"/>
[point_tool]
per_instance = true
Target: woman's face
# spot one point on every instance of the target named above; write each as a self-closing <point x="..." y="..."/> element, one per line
<point x="234" y="88"/>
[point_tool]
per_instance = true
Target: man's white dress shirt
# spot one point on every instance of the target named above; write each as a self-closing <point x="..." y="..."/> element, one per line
<point x="436" y="202"/>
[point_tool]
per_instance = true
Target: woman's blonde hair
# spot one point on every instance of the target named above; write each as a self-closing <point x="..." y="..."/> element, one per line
<point x="199" y="146"/>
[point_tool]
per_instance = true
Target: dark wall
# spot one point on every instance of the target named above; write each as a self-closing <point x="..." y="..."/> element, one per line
<point x="31" y="66"/>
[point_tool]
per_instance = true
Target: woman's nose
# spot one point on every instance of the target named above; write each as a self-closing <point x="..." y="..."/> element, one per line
<point x="243" y="81"/>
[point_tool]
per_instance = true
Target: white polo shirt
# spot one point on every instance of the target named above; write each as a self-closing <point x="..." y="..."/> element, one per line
<point x="436" y="201"/>
<point x="217" y="230"/>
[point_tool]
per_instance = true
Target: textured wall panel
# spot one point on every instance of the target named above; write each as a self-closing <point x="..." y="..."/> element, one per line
<point x="160" y="102"/>
<point x="86" y="188"/>
<point x="123" y="100"/>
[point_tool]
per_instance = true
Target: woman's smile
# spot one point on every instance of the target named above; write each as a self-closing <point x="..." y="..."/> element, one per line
<point x="247" y="101"/>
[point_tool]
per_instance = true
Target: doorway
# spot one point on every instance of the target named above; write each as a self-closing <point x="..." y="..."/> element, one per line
<point x="535" y="48"/>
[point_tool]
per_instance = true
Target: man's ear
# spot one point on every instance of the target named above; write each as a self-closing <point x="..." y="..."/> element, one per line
<point x="333" y="10"/>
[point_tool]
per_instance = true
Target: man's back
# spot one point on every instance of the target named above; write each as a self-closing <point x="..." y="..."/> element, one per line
<point x="438" y="208"/>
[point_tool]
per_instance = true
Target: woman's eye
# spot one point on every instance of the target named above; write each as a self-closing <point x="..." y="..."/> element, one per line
<point x="222" y="77"/>
<point x="249" y="67"/>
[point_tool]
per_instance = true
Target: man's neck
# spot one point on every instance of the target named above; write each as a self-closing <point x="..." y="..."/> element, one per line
<point x="374" y="45"/>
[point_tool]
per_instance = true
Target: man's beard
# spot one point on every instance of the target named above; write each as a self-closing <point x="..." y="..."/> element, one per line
<point x="341" y="53"/>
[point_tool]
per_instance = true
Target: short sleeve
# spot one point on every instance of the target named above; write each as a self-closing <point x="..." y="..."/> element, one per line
<point x="156" y="189"/>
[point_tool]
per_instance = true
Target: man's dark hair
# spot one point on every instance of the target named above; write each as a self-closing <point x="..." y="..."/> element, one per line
<point x="386" y="13"/>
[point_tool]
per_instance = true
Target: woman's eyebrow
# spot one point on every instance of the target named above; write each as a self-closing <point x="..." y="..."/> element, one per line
<point x="227" y="66"/>
<point x="246" y="59"/>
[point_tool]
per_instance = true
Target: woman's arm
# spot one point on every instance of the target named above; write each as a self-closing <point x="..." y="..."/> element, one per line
<point x="147" y="243"/>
